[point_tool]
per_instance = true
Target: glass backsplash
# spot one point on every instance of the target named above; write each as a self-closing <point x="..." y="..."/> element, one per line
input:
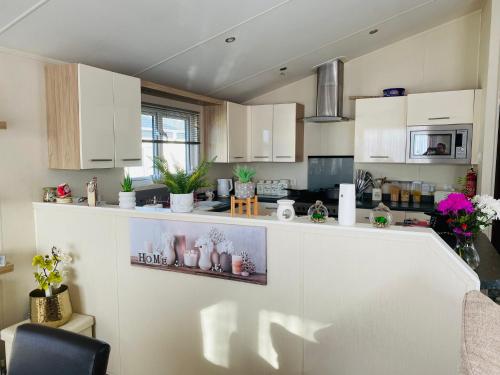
<point x="327" y="171"/>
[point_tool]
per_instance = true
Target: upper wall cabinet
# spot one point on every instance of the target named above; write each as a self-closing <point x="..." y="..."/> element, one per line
<point x="288" y="132"/>
<point x="226" y="128"/>
<point x="93" y="118"/>
<point x="277" y="132"/>
<point x="261" y="132"/>
<point x="380" y="130"/>
<point x="437" y="108"/>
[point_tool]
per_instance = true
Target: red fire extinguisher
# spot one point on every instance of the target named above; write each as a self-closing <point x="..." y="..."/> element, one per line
<point x="471" y="183"/>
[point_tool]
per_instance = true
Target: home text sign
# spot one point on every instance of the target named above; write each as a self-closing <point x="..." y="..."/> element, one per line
<point x="234" y="252"/>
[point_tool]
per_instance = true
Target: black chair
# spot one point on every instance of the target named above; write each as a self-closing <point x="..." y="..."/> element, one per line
<point x="40" y="350"/>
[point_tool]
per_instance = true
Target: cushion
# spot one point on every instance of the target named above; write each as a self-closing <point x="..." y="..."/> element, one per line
<point x="481" y="335"/>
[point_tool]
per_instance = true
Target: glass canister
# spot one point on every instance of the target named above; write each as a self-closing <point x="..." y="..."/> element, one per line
<point x="260" y="187"/>
<point x="416" y="191"/>
<point x="380" y="216"/>
<point x="394" y="190"/>
<point x="405" y="191"/>
<point x="318" y="213"/>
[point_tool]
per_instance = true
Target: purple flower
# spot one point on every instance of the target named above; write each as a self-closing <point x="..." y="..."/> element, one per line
<point x="454" y="203"/>
<point x="458" y="231"/>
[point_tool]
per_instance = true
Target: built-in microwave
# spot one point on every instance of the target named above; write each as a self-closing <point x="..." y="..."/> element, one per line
<point x="439" y="144"/>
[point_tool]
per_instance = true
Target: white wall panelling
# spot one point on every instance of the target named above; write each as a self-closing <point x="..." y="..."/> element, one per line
<point x="323" y="305"/>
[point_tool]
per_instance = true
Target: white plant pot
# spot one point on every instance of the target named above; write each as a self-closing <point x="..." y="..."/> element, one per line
<point x="181" y="202"/>
<point x="126" y="199"/>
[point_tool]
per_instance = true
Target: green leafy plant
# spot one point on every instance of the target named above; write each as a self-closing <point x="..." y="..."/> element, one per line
<point x="47" y="273"/>
<point x="127" y="184"/>
<point x="244" y="173"/>
<point x="182" y="182"/>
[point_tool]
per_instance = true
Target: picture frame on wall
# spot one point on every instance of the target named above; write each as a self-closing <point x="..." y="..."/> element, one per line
<point x="227" y="251"/>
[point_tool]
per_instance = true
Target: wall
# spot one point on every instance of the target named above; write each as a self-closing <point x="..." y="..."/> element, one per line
<point x="489" y="80"/>
<point x="443" y="58"/>
<point x="331" y="295"/>
<point x="24" y="171"/>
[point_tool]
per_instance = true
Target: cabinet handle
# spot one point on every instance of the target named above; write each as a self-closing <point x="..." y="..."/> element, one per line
<point x="283" y="157"/>
<point x="379" y="157"/>
<point x="238" y="157"/>
<point x="439" y="118"/>
<point x="261" y="157"/>
<point x="101" y="159"/>
<point x="136" y="159"/>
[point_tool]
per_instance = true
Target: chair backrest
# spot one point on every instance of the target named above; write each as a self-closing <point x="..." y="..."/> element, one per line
<point x="40" y="350"/>
<point x="481" y="335"/>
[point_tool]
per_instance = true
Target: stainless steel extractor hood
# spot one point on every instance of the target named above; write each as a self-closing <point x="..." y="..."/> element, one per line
<point x="330" y="87"/>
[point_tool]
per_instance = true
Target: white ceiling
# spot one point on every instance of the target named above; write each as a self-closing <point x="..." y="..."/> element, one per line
<point x="181" y="42"/>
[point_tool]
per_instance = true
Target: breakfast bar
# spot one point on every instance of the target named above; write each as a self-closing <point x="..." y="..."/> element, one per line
<point x="333" y="295"/>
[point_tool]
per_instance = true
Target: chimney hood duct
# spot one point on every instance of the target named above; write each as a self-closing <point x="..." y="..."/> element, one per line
<point x="330" y="87"/>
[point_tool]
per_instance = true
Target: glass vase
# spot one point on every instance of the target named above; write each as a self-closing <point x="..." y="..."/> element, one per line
<point x="467" y="251"/>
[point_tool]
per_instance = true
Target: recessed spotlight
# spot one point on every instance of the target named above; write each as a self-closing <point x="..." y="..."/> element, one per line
<point x="374" y="31"/>
<point x="230" y="39"/>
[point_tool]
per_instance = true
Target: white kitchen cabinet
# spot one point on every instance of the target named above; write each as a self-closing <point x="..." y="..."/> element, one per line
<point x="477" y="127"/>
<point x="288" y="132"/>
<point x="438" y="108"/>
<point x="127" y="120"/>
<point x="380" y="130"/>
<point x="97" y="144"/>
<point x="226" y="132"/>
<point x="237" y="121"/>
<point x="93" y="118"/>
<point x="261" y="132"/>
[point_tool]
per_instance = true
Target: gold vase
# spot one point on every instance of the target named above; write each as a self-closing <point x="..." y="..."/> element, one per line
<point x="51" y="311"/>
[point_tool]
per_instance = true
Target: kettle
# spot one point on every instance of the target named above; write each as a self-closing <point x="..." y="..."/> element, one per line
<point x="224" y="186"/>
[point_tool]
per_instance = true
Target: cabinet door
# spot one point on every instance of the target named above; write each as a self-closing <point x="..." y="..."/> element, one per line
<point x="284" y="132"/>
<point x="261" y="123"/>
<point x="97" y="141"/>
<point x="127" y="120"/>
<point x="380" y="130"/>
<point x="477" y="127"/>
<point x="237" y="132"/>
<point x="216" y="134"/>
<point x="438" y="108"/>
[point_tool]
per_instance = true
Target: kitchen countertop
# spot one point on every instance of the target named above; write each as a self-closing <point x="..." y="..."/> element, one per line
<point x="489" y="266"/>
<point x="415" y="207"/>
<point x="364" y="204"/>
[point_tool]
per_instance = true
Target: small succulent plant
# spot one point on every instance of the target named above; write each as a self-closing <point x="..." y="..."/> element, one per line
<point x="127" y="184"/>
<point x="244" y="173"/>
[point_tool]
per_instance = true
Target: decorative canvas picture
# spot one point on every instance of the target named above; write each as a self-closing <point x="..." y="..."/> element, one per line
<point x="235" y="252"/>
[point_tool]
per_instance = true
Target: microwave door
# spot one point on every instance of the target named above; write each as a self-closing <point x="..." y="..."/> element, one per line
<point x="431" y="146"/>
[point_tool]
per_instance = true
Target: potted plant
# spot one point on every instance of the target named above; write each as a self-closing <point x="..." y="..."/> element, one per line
<point x="50" y="303"/>
<point x="126" y="197"/>
<point x="182" y="184"/>
<point x="244" y="187"/>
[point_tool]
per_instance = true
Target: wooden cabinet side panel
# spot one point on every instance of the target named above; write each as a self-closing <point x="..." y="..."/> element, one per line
<point x="63" y="134"/>
<point x="299" y="137"/>
<point x="216" y="136"/>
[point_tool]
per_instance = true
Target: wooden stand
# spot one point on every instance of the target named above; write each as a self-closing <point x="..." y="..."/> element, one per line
<point x="248" y="203"/>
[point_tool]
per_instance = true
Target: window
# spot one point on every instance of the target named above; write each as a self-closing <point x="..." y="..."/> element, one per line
<point x="173" y="134"/>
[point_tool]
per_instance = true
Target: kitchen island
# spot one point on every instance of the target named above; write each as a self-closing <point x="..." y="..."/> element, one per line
<point x="342" y="300"/>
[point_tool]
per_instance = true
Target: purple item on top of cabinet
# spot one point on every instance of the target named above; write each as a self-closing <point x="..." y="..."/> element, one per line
<point x="394" y="91"/>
